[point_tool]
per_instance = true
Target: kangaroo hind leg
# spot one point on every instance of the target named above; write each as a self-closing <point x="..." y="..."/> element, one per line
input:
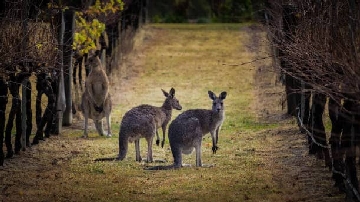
<point x="157" y="139"/>
<point x="99" y="127"/>
<point x="177" y="155"/>
<point x="137" y="150"/>
<point x="86" y="111"/>
<point x="149" y="152"/>
<point x="108" y="121"/>
<point x="107" y="110"/>
<point x="149" y="136"/>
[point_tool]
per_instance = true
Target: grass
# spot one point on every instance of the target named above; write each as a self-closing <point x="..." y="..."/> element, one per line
<point x="211" y="26"/>
<point x="193" y="59"/>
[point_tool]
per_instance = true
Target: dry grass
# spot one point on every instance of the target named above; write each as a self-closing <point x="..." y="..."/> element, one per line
<point x="261" y="156"/>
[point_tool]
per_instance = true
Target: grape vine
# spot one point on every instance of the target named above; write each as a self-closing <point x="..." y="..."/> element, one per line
<point x="90" y="24"/>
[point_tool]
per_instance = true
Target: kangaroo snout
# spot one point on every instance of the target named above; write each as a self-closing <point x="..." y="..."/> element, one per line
<point x="175" y="104"/>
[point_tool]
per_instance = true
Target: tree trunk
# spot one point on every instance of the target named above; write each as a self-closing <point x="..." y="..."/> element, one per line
<point x="3" y="102"/>
<point x="47" y="118"/>
<point x="146" y="11"/>
<point x="349" y="136"/>
<point x="317" y="128"/>
<point x="39" y="88"/>
<point x="15" y="113"/>
<point x="23" y="114"/>
<point x="335" y="141"/>
<point x="293" y="94"/>
<point x="304" y="109"/>
<point x="292" y="85"/>
<point x="24" y="19"/>
<point x="28" y="112"/>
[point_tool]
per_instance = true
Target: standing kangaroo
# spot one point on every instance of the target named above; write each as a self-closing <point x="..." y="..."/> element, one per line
<point x="187" y="130"/>
<point x="96" y="100"/>
<point x="143" y="122"/>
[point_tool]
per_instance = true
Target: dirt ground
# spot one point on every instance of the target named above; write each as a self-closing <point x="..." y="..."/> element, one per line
<point x="302" y="177"/>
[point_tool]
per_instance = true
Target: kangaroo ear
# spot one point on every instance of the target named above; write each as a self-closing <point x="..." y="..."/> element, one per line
<point x="172" y="92"/>
<point x="211" y="95"/>
<point x="165" y="93"/>
<point x="222" y="95"/>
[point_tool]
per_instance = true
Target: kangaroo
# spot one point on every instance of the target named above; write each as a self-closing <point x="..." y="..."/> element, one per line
<point x="96" y="100"/>
<point x="143" y="122"/>
<point x="187" y="130"/>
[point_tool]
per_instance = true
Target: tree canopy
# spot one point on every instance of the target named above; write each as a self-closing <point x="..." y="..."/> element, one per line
<point x="202" y="10"/>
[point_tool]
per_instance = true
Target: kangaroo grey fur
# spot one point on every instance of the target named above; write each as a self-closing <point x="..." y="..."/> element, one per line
<point x="187" y="130"/>
<point x="96" y="100"/>
<point x="143" y="122"/>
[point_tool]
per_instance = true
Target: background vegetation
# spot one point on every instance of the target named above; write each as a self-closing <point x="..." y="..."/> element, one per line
<point x="202" y="11"/>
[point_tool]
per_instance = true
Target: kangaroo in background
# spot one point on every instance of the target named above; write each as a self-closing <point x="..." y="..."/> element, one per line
<point x="187" y="130"/>
<point x="143" y="122"/>
<point x="96" y="100"/>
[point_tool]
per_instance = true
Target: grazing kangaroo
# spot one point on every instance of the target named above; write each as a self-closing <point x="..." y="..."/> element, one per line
<point x="143" y="122"/>
<point x="187" y="130"/>
<point x="96" y="100"/>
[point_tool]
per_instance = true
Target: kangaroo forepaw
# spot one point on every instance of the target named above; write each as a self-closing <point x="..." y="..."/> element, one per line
<point x="214" y="149"/>
<point x="98" y="109"/>
<point x="162" y="143"/>
<point x="157" y="142"/>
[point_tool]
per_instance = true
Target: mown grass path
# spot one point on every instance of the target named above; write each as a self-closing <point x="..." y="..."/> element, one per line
<point x="262" y="157"/>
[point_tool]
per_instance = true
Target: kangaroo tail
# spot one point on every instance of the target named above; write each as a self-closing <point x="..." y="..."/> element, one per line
<point x="170" y="167"/>
<point x="108" y="159"/>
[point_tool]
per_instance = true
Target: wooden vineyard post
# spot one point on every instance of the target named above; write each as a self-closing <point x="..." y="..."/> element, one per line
<point x="69" y="23"/>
